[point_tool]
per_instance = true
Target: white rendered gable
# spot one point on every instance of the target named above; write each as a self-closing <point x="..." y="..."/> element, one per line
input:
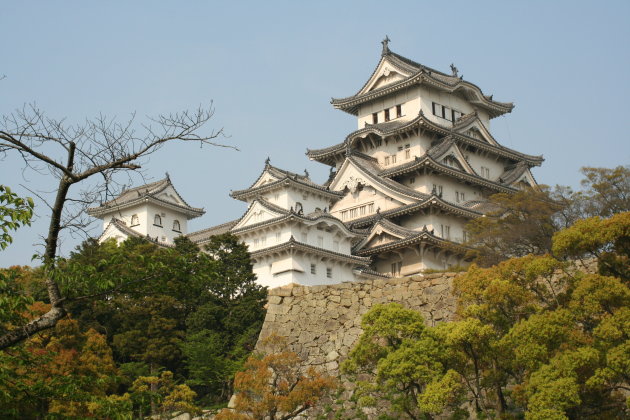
<point x="351" y="176"/>
<point x="526" y="179"/>
<point x="171" y="196"/>
<point x="256" y="213"/>
<point x="265" y="178"/>
<point x="477" y="130"/>
<point x="385" y="74"/>
<point x="455" y="153"/>
<point x="113" y="232"/>
<point x="379" y="236"/>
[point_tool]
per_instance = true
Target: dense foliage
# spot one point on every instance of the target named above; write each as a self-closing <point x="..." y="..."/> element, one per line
<point x="534" y="338"/>
<point x="150" y="330"/>
<point x="523" y="223"/>
<point x="273" y="386"/>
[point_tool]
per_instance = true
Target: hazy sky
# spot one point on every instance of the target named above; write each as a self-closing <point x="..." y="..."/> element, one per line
<point x="271" y="68"/>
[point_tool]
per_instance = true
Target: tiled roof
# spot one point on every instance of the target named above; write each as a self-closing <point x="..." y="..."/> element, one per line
<point x="293" y="244"/>
<point x="428" y="161"/>
<point x="291" y="215"/>
<point x="139" y="194"/>
<point x="121" y="226"/>
<point x="420" y="74"/>
<point x="205" y="234"/>
<point x="411" y="237"/>
<point x="513" y="173"/>
<point x="372" y="169"/>
<point x="432" y="200"/>
<point x="283" y="178"/>
<point x="394" y="127"/>
<point x="368" y="272"/>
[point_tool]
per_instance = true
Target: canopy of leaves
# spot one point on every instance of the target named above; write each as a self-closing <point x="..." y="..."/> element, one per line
<point x="195" y="315"/>
<point x="534" y="337"/>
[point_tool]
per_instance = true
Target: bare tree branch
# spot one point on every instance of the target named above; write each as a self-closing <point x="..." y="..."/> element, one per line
<point x="73" y="154"/>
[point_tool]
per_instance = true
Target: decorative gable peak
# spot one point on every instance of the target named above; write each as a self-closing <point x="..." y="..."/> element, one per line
<point x="161" y="193"/>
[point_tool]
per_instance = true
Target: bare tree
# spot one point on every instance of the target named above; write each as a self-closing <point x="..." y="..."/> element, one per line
<point x="96" y="150"/>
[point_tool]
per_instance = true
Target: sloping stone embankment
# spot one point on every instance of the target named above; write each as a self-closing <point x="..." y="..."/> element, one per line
<point x="322" y="323"/>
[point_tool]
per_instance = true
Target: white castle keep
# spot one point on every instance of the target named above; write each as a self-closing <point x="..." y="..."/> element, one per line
<point x="401" y="188"/>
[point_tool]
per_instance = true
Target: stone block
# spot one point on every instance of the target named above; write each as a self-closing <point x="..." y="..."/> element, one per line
<point x="333" y="355"/>
<point x="274" y="300"/>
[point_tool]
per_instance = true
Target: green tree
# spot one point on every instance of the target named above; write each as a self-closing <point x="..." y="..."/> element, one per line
<point x="98" y="149"/>
<point x="14" y="213"/>
<point x="411" y="373"/>
<point x="533" y="337"/>
<point x="607" y="191"/>
<point x="523" y="223"/>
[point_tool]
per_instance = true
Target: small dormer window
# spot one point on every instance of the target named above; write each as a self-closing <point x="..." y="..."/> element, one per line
<point x="135" y="221"/>
<point x="157" y="220"/>
<point x="176" y="226"/>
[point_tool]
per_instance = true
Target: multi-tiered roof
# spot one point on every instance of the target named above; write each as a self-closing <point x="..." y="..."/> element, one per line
<point x="446" y="157"/>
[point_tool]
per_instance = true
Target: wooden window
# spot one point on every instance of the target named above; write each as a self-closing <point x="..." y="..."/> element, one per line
<point x="400" y="148"/>
<point x="375" y="118"/>
<point x="379" y="142"/>
<point x="176" y="226"/>
<point x="398" y="111"/>
<point x="329" y="272"/>
<point x="135" y="221"/>
<point x="371" y="208"/>
<point x="412" y="180"/>
<point x="313" y="269"/>
<point x="407" y="154"/>
<point x="386" y="160"/>
<point x="387" y="115"/>
<point x="393" y="158"/>
<point x="157" y="220"/>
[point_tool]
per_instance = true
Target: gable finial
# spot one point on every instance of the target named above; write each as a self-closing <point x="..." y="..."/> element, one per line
<point x="385" y="43"/>
<point x="168" y="176"/>
<point x="306" y="174"/>
<point x="267" y="161"/>
<point x="454" y="70"/>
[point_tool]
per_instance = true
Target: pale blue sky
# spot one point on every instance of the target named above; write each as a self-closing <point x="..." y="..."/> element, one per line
<point x="271" y="68"/>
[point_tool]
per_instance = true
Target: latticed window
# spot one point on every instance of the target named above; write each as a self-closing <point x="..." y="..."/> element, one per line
<point x="176" y="226"/>
<point x="157" y="220"/>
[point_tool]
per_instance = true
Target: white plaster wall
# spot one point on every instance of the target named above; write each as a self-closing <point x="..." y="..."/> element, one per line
<point x="164" y="233"/>
<point x="424" y="184"/>
<point x="418" y="146"/>
<point x="434" y="222"/>
<point x="414" y="263"/>
<point x="408" y="98"/>
<point x="367" y="195"/>
<point x="272" y="272"/>
<point x="453" y="101"/>
<point x="477" y="161"/>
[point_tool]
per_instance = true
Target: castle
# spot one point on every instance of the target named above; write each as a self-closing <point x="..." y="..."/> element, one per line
<point x="401" y="189"/>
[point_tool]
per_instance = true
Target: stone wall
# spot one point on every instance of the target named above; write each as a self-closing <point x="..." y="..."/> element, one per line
<point x="322" y="323"/>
